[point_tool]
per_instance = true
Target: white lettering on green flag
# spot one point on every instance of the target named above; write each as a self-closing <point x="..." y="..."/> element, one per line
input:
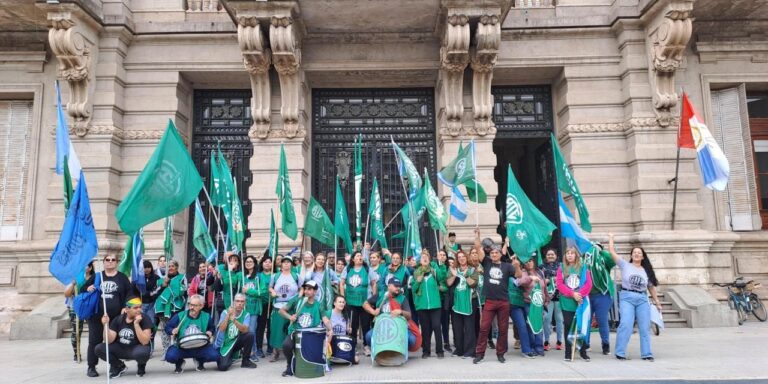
<point x="527" y="228"/>
<point x="567" y="183"/>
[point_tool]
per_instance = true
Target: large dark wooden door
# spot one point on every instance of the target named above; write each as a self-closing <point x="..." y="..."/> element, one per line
<point x="338" y="116"/>
<point x="221" y="118"/>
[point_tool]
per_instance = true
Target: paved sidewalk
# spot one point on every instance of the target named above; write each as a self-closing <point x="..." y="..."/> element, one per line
<point x="682" y="355"/>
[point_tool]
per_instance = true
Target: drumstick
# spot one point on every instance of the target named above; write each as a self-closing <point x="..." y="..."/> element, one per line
<point x="181" y="322"/>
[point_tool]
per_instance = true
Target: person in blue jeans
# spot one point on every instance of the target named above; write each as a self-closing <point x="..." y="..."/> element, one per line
<point x="549" y="270"/>
<point x="600" y="263"/>
<point x="637" y="279"/>
<point x="531" y="345"/>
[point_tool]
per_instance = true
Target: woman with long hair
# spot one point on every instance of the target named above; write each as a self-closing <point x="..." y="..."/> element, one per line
<point x="463" y="278"/>
<point x="572" y="292"/>
<point x="72" y="290"/>
<point x="254" y="295"/>
<point x="284" y="286"/>
<point x="339" y="322"/>
<point x="549" y="270"/>
<point x="172" y="298"/>
<point x="426" y="297"/>
<point x="637" y="279"/>
<point x="265" y="277"/>
<point x="355" y="281"/>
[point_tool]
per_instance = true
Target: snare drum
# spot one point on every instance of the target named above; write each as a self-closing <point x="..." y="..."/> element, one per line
<point x="343" y="350"/>
<point x="193" y="341"/>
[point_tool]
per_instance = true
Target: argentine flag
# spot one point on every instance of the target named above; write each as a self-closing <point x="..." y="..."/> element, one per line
<point x="694" y="134"/>
<point x="571" y="231"/>
<point x="458" y="204"/>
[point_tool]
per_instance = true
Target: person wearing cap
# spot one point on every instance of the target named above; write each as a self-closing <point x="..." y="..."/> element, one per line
<point x="128" y="339"/>
<point x="302" y="312"/>
<point x="394" y="302"/>
<point x="191" y="322"/>
<point x="283" y="287"/>
<point x="496" y="276"/>
<point x="450" y="246"/>
<point x="234" y="335"/>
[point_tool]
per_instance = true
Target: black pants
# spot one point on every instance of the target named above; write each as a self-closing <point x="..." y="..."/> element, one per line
<point x="464" y="338"/>
<point x="568" y="318"/>
<point x="445" y="324"/>
<point x="119" y="352"/>
<point x="360" y="320"/>
<point x="262" y="327"/>
<point x="244" y="344"/>
<point x="95" y="337"/>
<point x="288" y="345"/>
<point x="430" y="322"/>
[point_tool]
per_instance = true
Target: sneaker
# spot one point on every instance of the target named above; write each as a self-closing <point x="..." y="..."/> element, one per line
<point x="606" y="349"/>
<point x="447" y="347"/>
<point x="517" y="344"/>
<point x="117" y="371"/>
<point x="426" y="355"/>
<point x="455" y="354"/>
<point x="254" y="359"/>
<point x="200" y="366"/>
<point x="440" y="355"/>
<point x="247" y="364"/>
<point x="583" y="354"/>
<point x="367" y="350"/>
<point x="542" y="354"/>
<point x="269" y="350"/>
<point x="529" y="355"/>
<point x="546" y="347"/>
<point x="142" y="370"/>
<point x="287" y="373"/>
<point x="501" y="359"/>
<point x="559" y="346"/>
<point x="477" y="359"/>
<point x="649" y="358"/>
<point x="92" y="372"/>
<point x="622" y="358"/>
<point x="260" y="353"/>
<point x="491" y="345"/>
<point x="180" y="367"/>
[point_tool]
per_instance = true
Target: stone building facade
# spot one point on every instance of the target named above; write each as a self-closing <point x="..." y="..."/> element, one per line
<point x="605" y="76"/>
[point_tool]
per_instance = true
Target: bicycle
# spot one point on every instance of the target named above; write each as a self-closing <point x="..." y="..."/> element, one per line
<point x="742" y="298"/>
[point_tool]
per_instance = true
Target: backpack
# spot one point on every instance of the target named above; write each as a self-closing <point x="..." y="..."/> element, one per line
<point x="86" y="304"/>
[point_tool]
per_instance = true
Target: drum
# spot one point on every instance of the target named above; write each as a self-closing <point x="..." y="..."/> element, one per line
<point x="389" y="344"/>
<point x="343" y="348"/>
<point x="309" y="353"/>
<point x="193" y="341"/>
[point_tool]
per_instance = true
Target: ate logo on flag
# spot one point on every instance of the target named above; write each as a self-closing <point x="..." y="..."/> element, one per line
<point x="167" y="181"/>
<point x="537" y="298"/>
<point x="514" y="211"/>
<point x="461" y="167"/>
<point x="435" y="205"/>
<point x="521" y="235"/>
<point x="317" y="212"/>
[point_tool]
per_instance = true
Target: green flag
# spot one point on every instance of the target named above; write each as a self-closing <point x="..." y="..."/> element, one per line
<point x="68" y="190"/>
<point x="375" y="212"/>
<point x="462" y="169"/>
<point x="226" y="188"/>
<point x="217" y="191"/>
<point x="236" y="223"/>
<point x="168" y="184"/>
<point x="527" y="228"/>
<point x="438" y="216"/>
<point x="476" y="195"/>
<point x="536" y="312"/>
<point x="168" y="240"/>
<point x="408" y="172"/>
<point x="340" y="220"/>
<point x="567" y="183"/>
<point x="318" y="225"/>
<point x="328" y="294"/>
<point x="134" y="248"/>
<point x="412" y="240"/>
<point x="358" y="184"/>
<point x="272" y="235"/>
<point x="283" y="190"/>
<point x="201" y="238"/>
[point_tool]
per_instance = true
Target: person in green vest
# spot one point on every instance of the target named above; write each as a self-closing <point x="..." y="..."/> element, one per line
<point x="549" y="269"/>
<point x="302" y="312"/>
<point x="463" y="278"/>
<point x="235" y="336"/>
<point x="388" y="302"/>
<point x="355" y="282"/>
<point x="426" y="289"/>
<point x="264" y="277"/>
<point x="194" y="321"/>
<point x="446" y="299"/>
<point x="172" y="298"/>
<point x="229" y="279"/>
<point x="394" y="269"/>
<point x="283" y="287"/>
<point x="255" y="293"/>
<point x="600" y="263"/>
<point x="572" y="292"/>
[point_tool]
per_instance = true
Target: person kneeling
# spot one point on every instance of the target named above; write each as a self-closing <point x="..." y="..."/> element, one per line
<point x="128" y="339"/>
<point x="193" y="330"/>
<point x="234" y="335"/>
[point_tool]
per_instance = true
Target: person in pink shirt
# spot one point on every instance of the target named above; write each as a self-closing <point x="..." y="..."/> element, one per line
<point x="572" y="292"/>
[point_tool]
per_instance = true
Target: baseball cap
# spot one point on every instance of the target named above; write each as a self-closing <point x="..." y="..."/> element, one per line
<point x="396" y="282"/>
<point x="310" y="284"/>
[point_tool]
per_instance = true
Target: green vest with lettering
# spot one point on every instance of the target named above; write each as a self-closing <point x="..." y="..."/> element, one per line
<point x="356" y="294"/>
<point x="231" y="334"/>
<point x="190" y="326"/>
<point x="568" y="303"/>
<point x="462" y="293"/>
<point x="307" y="315"/>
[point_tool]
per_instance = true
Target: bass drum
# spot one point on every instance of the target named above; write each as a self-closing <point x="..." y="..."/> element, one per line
<point x="389" y="344"/>
<point x="193" y="341"/>
<point x="309" y="354"/>
<point x="343" y="350"/>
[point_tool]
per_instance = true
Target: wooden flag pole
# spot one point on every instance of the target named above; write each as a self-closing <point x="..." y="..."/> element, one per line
<point x="477" y="189"/>
<point x="674" y="193"/>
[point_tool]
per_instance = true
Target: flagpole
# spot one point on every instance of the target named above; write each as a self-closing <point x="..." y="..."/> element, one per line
<point x="674" y="193"/>
<point x="106" y="328"/>
<point x="477" y="189"/>
<point x="218" y="226"/>
<point x="386" y="226"/>
<point x="407" y="198"/>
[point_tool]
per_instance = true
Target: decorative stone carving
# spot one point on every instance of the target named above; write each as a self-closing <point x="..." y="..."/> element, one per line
<point x="454" y="57"/>
<point x="203" y="5"/>
<point x="668" y="38"/>
<point x="488" y="40"/>
<point x="256" y="58"/>
<point x="74" y="55"/>
<point x="286" y="56"/>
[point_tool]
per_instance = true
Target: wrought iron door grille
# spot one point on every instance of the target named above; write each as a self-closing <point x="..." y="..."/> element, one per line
<point x="522" y="111"/>
<point x="221" y="118"/>
<point x="339" y="115"/>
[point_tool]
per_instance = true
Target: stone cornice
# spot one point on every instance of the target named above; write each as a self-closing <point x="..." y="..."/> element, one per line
<point x="750" y="49"/>
<point x="29" y="61"/>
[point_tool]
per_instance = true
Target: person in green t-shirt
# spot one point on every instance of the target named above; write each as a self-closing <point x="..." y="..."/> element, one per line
<point x="302" y="312"/>
<point x="356" y="279"/>
<point x="255" y="294"/>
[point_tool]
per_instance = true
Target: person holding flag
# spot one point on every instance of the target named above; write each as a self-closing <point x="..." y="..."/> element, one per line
<point x="172" y="298"/>
<point x="520" y="289"/>
<point x="128" y="338"/>
<point x="302" y="312"/>
<point x="600" y="263"/>
<point x="574" y="282"/>
<point x="425" y="288"/>
<point x="637" y="280"/>
<point x="549" y="270"/>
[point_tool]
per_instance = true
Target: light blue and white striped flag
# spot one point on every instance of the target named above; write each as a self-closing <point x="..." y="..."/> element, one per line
<point x="570" y="230"/>
<point x="459" y="207"/>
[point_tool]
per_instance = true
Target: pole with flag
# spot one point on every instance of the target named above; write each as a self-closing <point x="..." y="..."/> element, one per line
<point x="375" y="214"/>
<point x="527" y="228"/>
<point x="412" y="183"/>
<point x="168" y="238"/>
<point x="341" y="220"/>
<point x="567" y="183"/>
<point x="67" y="162"/>
<point x="283" y="190"/>
<point x="358" y="185"/>
<point x="131" y="264"/>
<point x="201" y="238"/>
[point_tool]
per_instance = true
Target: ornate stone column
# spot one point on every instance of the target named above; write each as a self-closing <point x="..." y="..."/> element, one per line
<point x="488" y="39"/>
<point x="668" y="30"/>
<point x="454" y="57"/>
<point x="257" y="60"/>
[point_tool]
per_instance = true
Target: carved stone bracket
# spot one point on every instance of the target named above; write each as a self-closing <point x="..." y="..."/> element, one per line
<point x="488" y="40"/>
<point x="454" y="57"/>
<point x="74" y="55"/>
<point x="256" y="58"/>
<point x="286" y="56"/>
<point x="668" y="38"/>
